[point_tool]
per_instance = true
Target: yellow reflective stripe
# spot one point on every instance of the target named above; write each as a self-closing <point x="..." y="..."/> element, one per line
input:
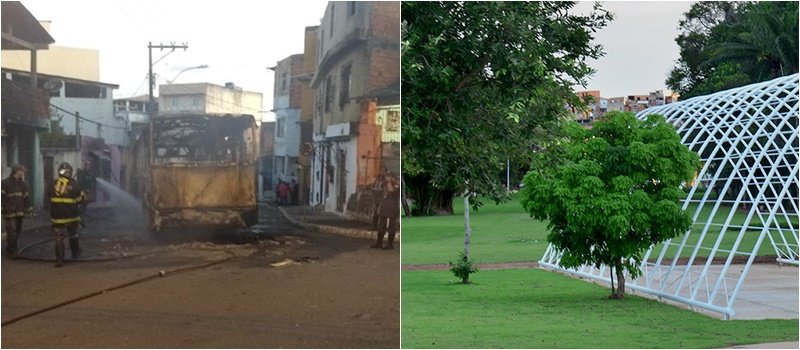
<point x="15" y="194"/>
<point x="63" y="200"/>
<point x="65" y="221"/>
<point x="13" y="215"/>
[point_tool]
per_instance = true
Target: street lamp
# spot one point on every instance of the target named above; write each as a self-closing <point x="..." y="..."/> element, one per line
<point x="202" y="66"/>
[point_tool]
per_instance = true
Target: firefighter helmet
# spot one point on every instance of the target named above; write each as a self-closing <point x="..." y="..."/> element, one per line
<point x="65" y="170"/>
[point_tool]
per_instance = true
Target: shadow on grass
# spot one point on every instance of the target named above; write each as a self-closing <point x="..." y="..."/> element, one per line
<point x="523" y="308"/>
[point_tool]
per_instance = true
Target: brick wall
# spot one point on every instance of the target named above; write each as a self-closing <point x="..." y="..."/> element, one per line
<point x="384" y="68"/>
<point x="386" y="20"/>
<point x="296" y="88"/>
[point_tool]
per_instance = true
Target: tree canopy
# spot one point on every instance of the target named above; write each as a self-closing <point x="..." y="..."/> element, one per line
<point x="616" y="194"/>
<point x="729" y="44"/>
<point x="482" y="81"/>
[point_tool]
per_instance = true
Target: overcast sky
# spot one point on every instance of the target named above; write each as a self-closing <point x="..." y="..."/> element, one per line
<point x="639" y="44"/>
<point x="239" y="39"/>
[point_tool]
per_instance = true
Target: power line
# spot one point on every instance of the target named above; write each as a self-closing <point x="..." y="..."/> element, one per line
<point x="15" y="84"/>
<point x="132" y="20"/>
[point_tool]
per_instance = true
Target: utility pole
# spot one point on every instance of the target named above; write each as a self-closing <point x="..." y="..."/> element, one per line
<point x="151" y="101"/>
<point x="151" y="82"/>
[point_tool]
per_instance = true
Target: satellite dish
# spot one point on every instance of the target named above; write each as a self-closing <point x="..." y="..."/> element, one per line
<point x="306" y="149"/>
<point x="53" y="85"/>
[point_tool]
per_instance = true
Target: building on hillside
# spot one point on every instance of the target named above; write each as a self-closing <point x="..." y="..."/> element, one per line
<point x="286" y="105"/>
<point x="598" y="105"/>
<point x="595" y="108"/>
<point x="357" y="75"/>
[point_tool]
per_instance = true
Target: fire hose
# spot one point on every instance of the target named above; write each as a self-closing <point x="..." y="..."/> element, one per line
<point x="161" y="273"/>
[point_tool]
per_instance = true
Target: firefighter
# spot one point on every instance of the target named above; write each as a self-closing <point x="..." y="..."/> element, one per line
<point x="389" y="212"/>
<point x="16" y="205"/>
<point x="87" y="182"/>
<point x="65" y="199"/>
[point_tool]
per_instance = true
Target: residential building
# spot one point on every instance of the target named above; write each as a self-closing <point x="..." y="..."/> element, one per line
<point x="25" y="105"/>
<point x="357" y="73"/>
<point x="208" y="98"/>
<point x="132" y="109"/>
<point x="661" y="97"/>
<point x="133" y="112"/>
<point x="286" y="104"/>
<point x="83" y="125"/>
<point x="636" y="103"/>
<point x="598" y="106"/>
<point x="307" y="98"/>
<point x="595" y="108"/>
<point x="266" y="159"/>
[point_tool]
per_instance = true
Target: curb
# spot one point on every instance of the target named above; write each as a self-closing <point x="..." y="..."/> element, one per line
<point x="348" y="232"/>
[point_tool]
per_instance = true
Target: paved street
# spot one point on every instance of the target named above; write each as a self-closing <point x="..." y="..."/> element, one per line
<point x="275" y="285"/>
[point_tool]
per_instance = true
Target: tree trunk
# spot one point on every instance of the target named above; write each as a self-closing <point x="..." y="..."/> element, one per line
<point x="428" y="200"/>
<point x="404" y="197"/>
<point x="620" y="292"/>
<point x="467" y="228"/>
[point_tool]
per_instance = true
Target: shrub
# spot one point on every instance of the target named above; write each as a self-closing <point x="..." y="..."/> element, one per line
<point x="462" y="268"/>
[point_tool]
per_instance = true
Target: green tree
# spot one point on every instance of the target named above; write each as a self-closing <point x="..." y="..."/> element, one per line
<point x="730" y="44"/>
<point x="617" y="194"/>
<point x="766" y="45"/>
<point x="481" y="82"/>
<point x="56" y="137"/>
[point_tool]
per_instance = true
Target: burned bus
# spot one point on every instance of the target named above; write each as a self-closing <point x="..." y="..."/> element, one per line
<point x="197" y="170"/>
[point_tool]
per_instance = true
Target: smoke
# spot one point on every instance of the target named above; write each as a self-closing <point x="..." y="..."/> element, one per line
<point x="128" y="212"/>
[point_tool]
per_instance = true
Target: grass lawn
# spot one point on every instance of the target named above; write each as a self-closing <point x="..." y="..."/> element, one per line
<point x="500" y="233"/>
<point x="505" y="233"/>
<point x="531" y="308"/>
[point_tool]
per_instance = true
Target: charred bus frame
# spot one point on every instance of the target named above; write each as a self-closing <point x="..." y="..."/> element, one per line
<point x="198" y="169"/>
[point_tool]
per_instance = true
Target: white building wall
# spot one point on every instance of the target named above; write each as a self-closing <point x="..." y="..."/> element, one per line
<point x="289" y="143"/>
<point x="220" y="99"/>
<point x="113" y="129"/>
<point x="350" y="162"/>
<point x="208" y="98"/>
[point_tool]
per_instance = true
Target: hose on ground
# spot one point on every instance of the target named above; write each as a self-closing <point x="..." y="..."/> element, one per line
<point x="113" y="258"/>
<point x="161" y="273"/>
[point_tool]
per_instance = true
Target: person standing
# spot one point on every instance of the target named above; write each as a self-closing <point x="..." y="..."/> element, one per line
<point x="87" y="183"/>
<point x="16" y="205"/>
<point x="295" y="191"/>
<point x="377" y="195"/>
<point x="65" y="198"/>
<point x="389" y="212"/>
<point x="283" y="193"/>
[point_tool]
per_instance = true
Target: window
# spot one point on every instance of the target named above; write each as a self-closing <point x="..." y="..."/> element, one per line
<point x="175" y="102"/>
<point x="321" y="43"/>
<point x="284" y="82"/>
<point x="351" y="8"/>
<point x="329" y="90"/>
<point x="196" y="101"/>
<point x="280" y="125"/>
<point x="333" y="12"/>
<point x="344" y="92"/>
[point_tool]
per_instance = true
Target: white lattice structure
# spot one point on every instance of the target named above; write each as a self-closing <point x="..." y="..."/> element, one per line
<point x="748" y="142"/>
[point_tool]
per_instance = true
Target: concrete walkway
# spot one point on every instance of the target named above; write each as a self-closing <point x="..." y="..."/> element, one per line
<point x="328" y="222"/>
<point x="784" y="345"/>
